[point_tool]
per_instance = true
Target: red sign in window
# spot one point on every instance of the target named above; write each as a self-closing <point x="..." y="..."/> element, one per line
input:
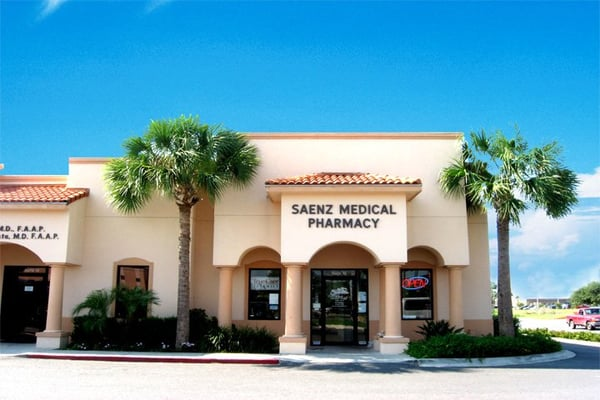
<point x="415" y="283"/>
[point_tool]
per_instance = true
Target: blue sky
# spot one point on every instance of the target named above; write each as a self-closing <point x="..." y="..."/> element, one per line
<point x="78" y="77"/>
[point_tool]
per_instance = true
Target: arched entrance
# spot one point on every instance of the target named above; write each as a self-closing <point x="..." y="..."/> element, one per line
<point x="25" y="287"/>
<point x="339" y="295"/>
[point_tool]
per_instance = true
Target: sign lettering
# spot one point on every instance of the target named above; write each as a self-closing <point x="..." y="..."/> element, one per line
<point x="344" y="216"/>
<point x="26" y="232"/>
<point x="415" y="283"/>
<point x="264" y="283"/>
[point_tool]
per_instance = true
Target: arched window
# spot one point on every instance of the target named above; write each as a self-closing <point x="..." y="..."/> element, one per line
<point x="134" y="275"/>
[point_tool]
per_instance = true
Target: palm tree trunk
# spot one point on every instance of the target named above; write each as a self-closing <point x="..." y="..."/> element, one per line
<point x="183" y="293"/>
<point x="505" y="313"/>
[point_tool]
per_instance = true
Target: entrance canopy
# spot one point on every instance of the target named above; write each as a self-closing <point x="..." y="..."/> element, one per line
<point x="326" y="207"/>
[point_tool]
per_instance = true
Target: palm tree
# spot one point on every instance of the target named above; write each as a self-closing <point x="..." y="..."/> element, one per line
<point x="508" y="176"/>
<point x="186" y="161"/>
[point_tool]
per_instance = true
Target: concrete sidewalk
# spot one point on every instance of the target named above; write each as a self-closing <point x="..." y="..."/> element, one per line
<point x="319" y="356"/>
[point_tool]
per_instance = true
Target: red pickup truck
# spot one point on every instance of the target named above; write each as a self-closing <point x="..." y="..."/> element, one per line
<point x="587" y="317"/>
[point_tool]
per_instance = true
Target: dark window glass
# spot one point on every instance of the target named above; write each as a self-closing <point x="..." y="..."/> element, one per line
<point x="264" y="295"/>
<point x="417" y="293"/>
<point x="131" y="276"/>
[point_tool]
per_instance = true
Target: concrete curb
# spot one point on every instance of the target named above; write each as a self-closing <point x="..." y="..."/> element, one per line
<point x="159" y="358"/>
<point x="324" y="359"/>
<point x="579" y="342"/>
<point x="494" y="361"/>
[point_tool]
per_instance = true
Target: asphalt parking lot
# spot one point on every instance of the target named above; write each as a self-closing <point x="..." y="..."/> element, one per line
<point x="336" y="377"/>
<point x="24" y="379"/>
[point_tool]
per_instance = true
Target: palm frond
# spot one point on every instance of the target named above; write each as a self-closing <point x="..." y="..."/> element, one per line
<point x="97" y="303"/>
<point x="129" y="184"/>
<point x="181" y="159"/>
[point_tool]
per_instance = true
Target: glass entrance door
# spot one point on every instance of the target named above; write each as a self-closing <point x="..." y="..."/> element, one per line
<point x="339" y="310"/>
<point x="24" y="303"/>
<point x="339" y="307"/>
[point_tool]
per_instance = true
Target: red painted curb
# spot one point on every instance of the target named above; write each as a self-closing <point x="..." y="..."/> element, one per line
<point x="120" y="358"/>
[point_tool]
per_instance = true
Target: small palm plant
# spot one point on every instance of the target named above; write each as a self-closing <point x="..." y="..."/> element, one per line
<point x="135" y="301"/>
<point x="437" y="328"/>
<point x="97" y="303"/>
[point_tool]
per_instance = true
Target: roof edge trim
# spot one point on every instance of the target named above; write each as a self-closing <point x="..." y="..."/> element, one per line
<point x="354" y="135"/>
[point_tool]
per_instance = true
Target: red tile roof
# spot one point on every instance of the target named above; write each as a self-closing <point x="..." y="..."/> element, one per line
<point x="41" y="194"/>
<point x="343" y="178"/>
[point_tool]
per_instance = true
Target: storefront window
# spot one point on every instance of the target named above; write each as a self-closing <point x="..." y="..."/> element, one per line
<point x="417" y="293"/>
<point x="264" y="294"/>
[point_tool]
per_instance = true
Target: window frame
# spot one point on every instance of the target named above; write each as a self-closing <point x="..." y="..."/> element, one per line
<point x="250" y="298"/>
<point x="426" y="298"/>
<point x="118" y="284"/>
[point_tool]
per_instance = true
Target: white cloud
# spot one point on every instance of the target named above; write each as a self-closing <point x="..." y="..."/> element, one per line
<point x="549" y="257"/>
<point x="540" y="235"/>
<point x="154" y="4"/>
<point x="542" y="283"/>
<point x="590" y="184"/>
<point x="50" y="6"/>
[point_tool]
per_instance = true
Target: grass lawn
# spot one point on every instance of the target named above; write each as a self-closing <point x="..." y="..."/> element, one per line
<point x="543" y="313"/>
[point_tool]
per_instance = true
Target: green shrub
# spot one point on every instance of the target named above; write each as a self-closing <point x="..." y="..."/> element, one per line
<point x="437" y="328"/>
<point x="95" y="326"/>
<point x="243" y="340"/>
<point x="86" y="332"/>
<point x="158" y="334"/>
<point x="201" y="327"/>
<point x="465" y="346"/>
<point x="155" y="334"/>
<point x="257" y="340"/>
<point x="575" y="335"/>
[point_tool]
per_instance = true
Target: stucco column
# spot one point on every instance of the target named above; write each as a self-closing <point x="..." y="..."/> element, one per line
<point x="294" y="340"/>
<point x="381" y="301"/>
<point x="53" y="336"/>
<point x="393" y="326"/>
<point x="456" y="296"/>
<point x="55" y="298"/>
<point x="392" y="342"/>
<point x="224" y="312"/>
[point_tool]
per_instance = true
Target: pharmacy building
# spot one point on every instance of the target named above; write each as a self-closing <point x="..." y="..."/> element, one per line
<point x="342" y="239"/>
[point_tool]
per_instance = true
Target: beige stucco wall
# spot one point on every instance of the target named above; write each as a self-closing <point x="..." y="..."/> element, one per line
<point x="203" y="275"/>
<point x="476" y="277"/>
<point x="110" y="237"/>
<point x="97" y="238"/>
<point x="433" y="219"/>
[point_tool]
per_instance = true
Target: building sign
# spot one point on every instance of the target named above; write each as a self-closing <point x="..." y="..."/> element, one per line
<point x="264" y="283"/>
<point x="343" y="216"/>
<point x="415" y="283"/>
<point x="26" y="232"/>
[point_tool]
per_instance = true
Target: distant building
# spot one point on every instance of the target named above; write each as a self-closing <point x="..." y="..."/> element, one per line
<point x="331" y="245"/>
<point x="550" y="302"/>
